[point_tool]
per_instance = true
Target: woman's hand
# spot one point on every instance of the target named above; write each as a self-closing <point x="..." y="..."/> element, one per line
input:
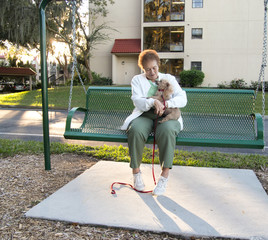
<point x="159" y="107"/>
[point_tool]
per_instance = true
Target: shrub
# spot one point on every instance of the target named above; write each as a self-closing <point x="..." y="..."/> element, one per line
<point x="38" y="85"/>
<point x="238" y="83"/>
<point x="191" y="78"/>
<point x="254" y="85"/>
<point x="99" y="80"/>
<point x="76" y="80"/>
<point x="223" y="85"/>
<point x="84" y="77"/>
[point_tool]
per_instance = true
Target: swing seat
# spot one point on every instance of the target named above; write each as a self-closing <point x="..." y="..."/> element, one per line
<point x="212" y="118"/>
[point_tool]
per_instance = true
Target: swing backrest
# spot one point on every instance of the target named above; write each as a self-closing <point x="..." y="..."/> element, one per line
<point x="202" y="101"/>
<point x="220" y="101"/>
<point x="107" y="108"/>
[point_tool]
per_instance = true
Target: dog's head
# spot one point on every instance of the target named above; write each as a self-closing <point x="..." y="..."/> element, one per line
<point x="163" y="84"/>
<point x="165" y="87"/>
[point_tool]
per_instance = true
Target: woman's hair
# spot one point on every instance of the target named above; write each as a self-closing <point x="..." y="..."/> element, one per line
<point x="146" y="55"/>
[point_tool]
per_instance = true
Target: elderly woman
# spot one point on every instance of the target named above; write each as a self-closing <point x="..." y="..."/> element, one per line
<point x="141" y="122"/>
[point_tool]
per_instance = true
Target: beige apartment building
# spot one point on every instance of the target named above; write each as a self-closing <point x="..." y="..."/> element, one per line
<point x="223" y="38"/>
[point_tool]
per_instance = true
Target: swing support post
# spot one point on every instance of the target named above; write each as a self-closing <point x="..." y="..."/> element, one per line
<point x="42" y="8"/>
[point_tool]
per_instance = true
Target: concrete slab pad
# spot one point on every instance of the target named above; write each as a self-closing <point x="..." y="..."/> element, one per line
<point x="198" y="202"/>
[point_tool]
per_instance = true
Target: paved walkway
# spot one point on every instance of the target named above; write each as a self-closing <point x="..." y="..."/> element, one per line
<point x="198" y="202"/>
<point x="26" y="124"/>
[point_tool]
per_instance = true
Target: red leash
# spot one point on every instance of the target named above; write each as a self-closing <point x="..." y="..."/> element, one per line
<point x="127" y="184"/>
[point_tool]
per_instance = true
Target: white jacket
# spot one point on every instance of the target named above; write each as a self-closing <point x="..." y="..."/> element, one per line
<point x="140" y="87"/>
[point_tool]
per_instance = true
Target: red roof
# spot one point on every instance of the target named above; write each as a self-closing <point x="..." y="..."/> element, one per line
<point x="127" y="46"/>
<point x="14" y="71"/>
<point x="2" y="57"/>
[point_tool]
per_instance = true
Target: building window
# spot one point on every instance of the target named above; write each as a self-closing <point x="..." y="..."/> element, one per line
<point x="164" y="10"/>
<point x="196" y="66"/>
<point x="197" y="33"/>
<point x="172" y="66"/>
<point x="177" y="10"/>
<point x="164" y="39"/>
<point x="197" y="3"/>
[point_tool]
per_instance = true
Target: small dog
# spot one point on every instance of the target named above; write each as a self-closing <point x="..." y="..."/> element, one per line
<point x="163" y="94"/>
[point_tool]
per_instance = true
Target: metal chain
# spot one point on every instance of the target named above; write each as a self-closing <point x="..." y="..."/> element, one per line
<point x="74" y="65"/>
<point x="261" y="80"/>
<point x="264" y="63"/>
<point x="73" y="49"/>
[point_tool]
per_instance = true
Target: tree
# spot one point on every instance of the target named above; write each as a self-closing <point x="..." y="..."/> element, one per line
<point x="16" y="56"/>
<point x="88" y="33"/>
<point x="19" y="20"/>
<point x="19" y="24"/>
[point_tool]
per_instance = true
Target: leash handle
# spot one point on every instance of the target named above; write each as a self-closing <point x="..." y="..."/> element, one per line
<point x="127" y="184"/>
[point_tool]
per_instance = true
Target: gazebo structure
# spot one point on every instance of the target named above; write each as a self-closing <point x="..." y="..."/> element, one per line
<point x="18" y="72"/>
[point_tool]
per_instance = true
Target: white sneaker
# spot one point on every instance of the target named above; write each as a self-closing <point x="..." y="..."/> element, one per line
<point x="160" y="188"/>
<point x="138" y="182"/>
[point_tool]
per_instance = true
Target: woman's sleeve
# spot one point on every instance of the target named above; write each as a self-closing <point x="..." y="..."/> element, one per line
<point x="179" y="98"/>
<point x="139" y="100"/>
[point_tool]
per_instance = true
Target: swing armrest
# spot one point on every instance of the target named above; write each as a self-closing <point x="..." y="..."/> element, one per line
<point x="70" y="116"/>
<point x="259" y="121"/>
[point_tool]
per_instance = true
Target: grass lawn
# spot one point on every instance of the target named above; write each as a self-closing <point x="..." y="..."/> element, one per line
<point x="58" y="97"/>
<point x="258" y="106"/>
<point x="120" y="153"/>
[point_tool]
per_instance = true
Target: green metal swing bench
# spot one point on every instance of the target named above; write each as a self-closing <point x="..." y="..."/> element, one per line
<point x="212" y="117"/>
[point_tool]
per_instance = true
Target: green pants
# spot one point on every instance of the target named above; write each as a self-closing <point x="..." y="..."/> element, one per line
<point x="165" y="135"/>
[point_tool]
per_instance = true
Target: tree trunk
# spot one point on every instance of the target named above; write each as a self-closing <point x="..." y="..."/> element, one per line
<point x="87" y="65"/>
<point x="64" y="66"/>
<point x="65" y="69"/>
<point x="31" y="83"/>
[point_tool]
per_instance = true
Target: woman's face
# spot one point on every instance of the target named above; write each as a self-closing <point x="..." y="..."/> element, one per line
<point x="151" y="70"/>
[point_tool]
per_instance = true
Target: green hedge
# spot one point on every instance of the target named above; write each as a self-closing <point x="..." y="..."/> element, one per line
<point x="191" y="78"/>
